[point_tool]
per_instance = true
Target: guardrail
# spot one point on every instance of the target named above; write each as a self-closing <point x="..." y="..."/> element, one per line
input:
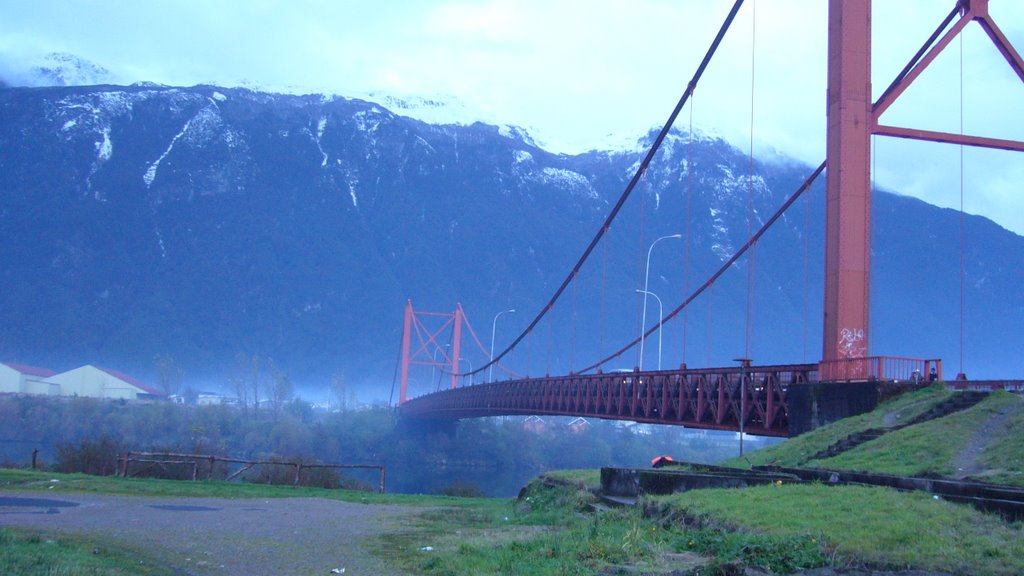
<point x="880" y="368"/>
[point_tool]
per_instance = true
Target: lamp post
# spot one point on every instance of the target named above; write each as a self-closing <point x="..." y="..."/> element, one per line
<point x="744" y="370"/>
<point x="433" y="366"/>
<point x="660" y="315"/>
<point x="494" y="324"/>
<point x="647" y="276"/>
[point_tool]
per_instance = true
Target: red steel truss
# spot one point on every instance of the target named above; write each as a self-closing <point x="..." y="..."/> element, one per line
<point x="702" y="398"/>
<point x="426" y="347"/>
<point x="852" y="119"/>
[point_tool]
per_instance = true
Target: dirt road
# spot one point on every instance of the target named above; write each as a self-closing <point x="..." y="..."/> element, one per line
<point x="215" y="536"/>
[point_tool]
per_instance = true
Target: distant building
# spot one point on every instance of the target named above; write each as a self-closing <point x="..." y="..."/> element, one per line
<point x="534" y="424"/>
<point x="93" y="382"/>
<point x="24" y="379"/>
<point x="214" y="399"/>
<point x="578" y="426"/>
<point x="635" y="427"/>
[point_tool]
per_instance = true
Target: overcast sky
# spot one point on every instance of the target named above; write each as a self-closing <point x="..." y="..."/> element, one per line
<point x="577" y="74"/>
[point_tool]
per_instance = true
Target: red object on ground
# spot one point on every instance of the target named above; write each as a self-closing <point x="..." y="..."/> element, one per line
<point x="660" y="461"/>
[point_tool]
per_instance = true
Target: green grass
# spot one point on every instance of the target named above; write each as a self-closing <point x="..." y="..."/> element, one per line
<point x="553" y="530"/>
<point x="876" y="527"/>
<point x="588" y="479"/>
<point x="34" y="481"/>
<point x="930" y="447"/>
<point x="797" y="451"/>
<point x="31" y="553"/>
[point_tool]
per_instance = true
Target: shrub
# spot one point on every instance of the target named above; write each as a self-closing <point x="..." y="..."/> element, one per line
<point x="98" y="457"/>
<point x="282" y="472"/>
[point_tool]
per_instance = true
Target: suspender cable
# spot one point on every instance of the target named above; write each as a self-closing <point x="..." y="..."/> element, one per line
<point x="604" y="284"/>
<point x="632" y="183"/>
<point x="641" y="299"/>
<point x="572" y="343"/>
<point x="807" y="271"/>
<point x="749" y="319"/>
<point x="711" y="300"/>
<point x="689" y="218"/>
<point x="962" y="369"/>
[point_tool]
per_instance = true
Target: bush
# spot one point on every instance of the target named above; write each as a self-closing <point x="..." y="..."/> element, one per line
<point x="98" y="458"/>
<point x="179" y="469"/>
<point x="282" y="472"/>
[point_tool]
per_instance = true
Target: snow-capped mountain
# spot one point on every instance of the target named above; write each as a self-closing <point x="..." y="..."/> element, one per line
<point x="203" y="222"/>
<point x="52" y="69"/>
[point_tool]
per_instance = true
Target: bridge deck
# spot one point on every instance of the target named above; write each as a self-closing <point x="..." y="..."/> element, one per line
<point x="704" y="398"/>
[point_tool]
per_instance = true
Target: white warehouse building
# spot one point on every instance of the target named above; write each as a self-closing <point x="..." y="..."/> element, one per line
<point x="24" y="379"/>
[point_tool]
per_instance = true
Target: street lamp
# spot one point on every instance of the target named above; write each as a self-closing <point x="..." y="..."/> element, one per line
<point x="660" y="315"/>
<point x="647" y="276"/>
<point x="470" y="369"/>
<point x="744" y="370"/>
<point x="494" y="324"/>
<point x="433" y="365"/>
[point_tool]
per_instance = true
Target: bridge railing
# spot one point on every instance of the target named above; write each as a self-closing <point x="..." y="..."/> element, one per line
<point x="878" y="368"/>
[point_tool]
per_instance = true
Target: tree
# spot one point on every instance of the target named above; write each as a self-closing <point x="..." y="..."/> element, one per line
<point x="254" y="382"/>
<point x="337" y="390"/>
<point x="281" y="387"/>
<point x="168" y="373"/>
<point x="239" y="382"/>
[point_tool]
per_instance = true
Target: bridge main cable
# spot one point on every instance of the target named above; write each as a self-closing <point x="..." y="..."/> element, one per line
<point x="629" y="187"/>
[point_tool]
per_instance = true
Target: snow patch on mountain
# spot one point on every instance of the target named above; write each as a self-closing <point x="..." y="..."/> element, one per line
<point x="150" y="174"/>
<point x="52" y="69"/>
<point x="321" y="125"/>
<point x="104" y="148"/>
<point x="573" y="182"/>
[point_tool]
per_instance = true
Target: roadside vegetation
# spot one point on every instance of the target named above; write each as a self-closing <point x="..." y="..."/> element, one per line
<point x="490" y="456"/>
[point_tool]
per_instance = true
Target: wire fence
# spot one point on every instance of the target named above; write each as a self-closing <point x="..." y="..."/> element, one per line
<point x="206" y="466"/>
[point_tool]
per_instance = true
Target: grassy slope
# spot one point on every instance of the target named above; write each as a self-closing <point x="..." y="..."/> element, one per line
<point x="877" y="527"/>
<point x="930" y="447"/>
<point x="797" y="451"/>
<point x="1003" y="456"/>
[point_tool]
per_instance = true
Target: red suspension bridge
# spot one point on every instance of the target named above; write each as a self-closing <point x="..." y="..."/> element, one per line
<point x="777" y="400"/>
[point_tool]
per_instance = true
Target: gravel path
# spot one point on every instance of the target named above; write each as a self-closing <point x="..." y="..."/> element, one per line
<point x="966" y="463"/>
<point x="217" y="536"/>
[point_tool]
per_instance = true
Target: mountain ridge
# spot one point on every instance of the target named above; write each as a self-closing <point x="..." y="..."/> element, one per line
<point x="207" y="221"/>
